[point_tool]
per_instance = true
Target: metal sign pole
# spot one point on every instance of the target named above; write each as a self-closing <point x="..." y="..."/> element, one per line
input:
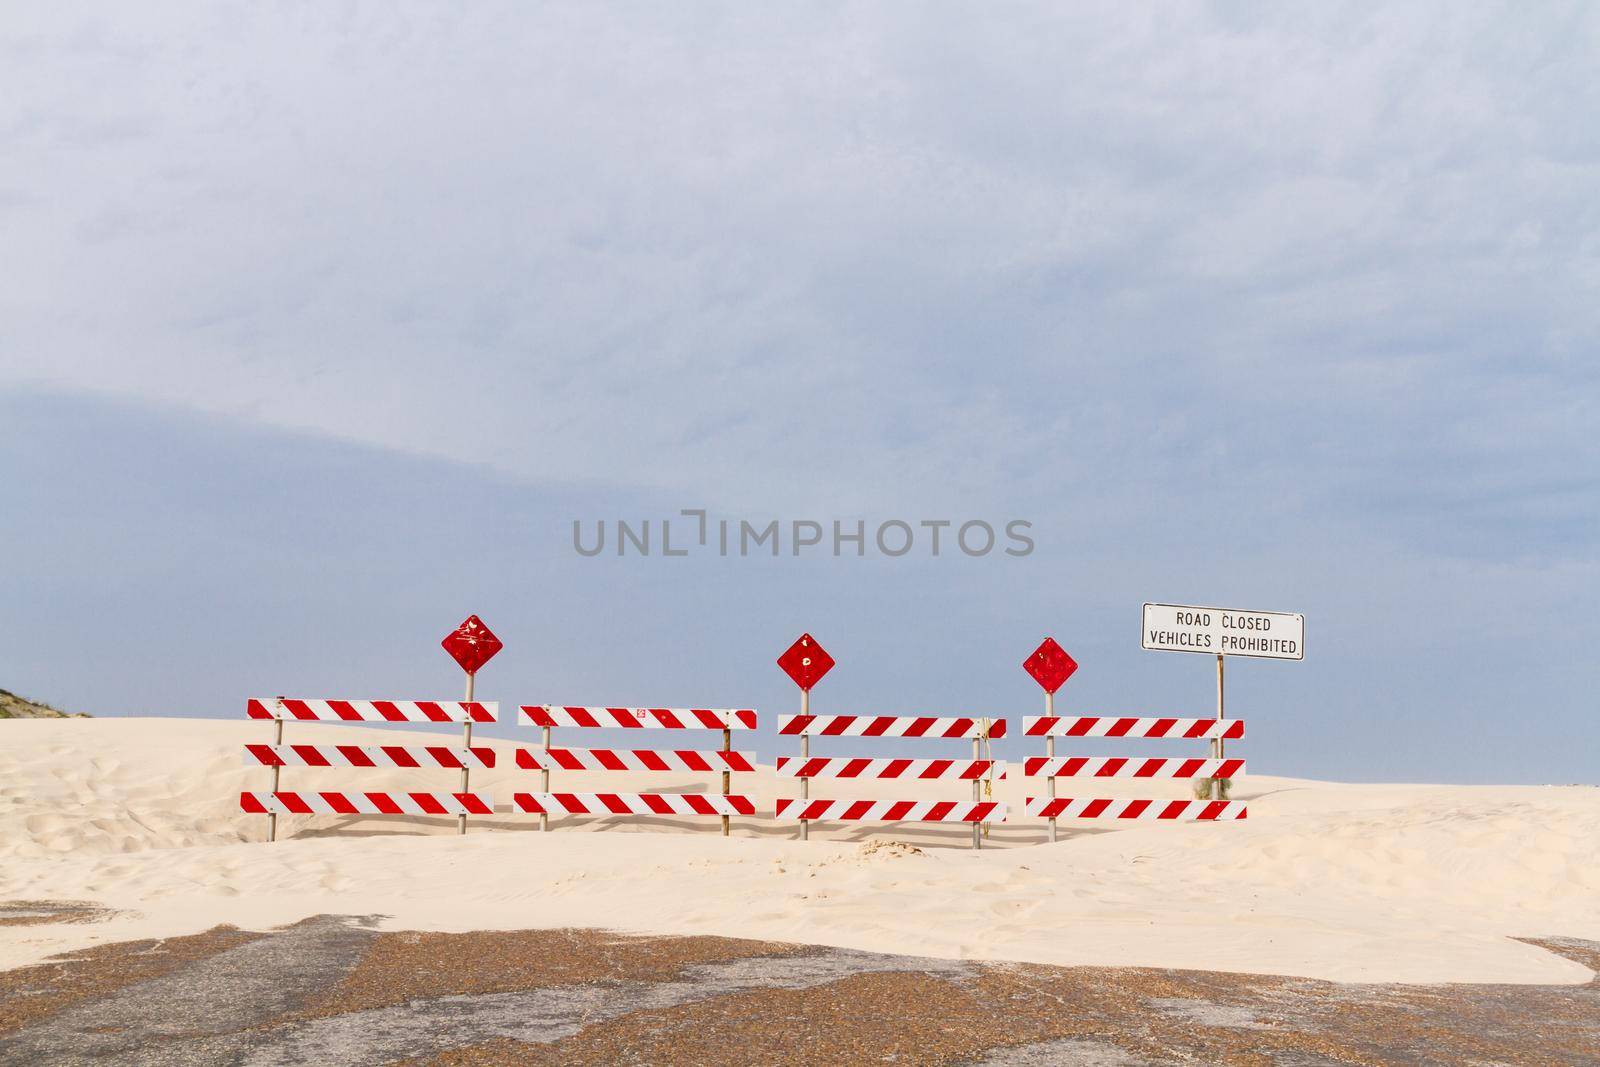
<point x="1050" y="752"/>
<point x="466" y="754"/>
<point x="1050" y="666"/>
<point x="727" y="746"/>
<point x="544" y="782"/>
<point x="805" y="662"/>
<point x="272" y="828"/>
<point x="471" y="645"/>
<point x="805" y="755"/>
<point x="1216" y="742"/>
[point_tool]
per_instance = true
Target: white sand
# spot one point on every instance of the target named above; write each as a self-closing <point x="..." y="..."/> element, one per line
<point x="1344" y="882"/>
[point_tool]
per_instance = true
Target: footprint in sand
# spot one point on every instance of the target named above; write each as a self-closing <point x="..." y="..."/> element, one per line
<point x="43" y="823"/>
<point x="1023" y="877"/>
<point x="1013" y="909"/>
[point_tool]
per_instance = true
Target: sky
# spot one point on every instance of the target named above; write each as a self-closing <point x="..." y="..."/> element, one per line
<point x="322" y="325"/>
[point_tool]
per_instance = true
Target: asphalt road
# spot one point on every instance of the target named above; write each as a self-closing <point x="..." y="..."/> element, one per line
<point x="334" y="990"/>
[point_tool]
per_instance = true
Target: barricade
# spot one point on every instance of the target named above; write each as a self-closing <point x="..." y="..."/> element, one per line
<point x="546" y="759"/>
<point x="1051" y="767"/>
<point x="278" y="755"/>
<point x="981" y="772"/>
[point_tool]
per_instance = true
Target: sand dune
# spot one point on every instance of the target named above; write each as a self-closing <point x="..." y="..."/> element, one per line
<point x="1344" y="882"/>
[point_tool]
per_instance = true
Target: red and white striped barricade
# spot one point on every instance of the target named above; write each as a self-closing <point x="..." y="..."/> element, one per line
<point x="980" y="772"/>
<point x="892" y="810"/>
<point x="635" y="804"/>
<point x="725" y="760"/>
<point x="1183" y="810"/>
<point x="1051" y="767"/>
<point x="278" y="755"/>
<point x="368" y="756"/>
<point x="345" y="803"/>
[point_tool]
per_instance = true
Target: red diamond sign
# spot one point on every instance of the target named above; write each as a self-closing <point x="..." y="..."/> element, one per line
<point x="472" y="644"/>
<point x="806" y="662"/>
<point x="1050" y="665"/>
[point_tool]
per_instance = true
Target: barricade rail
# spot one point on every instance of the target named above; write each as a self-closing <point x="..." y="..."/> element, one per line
<point x="971" y="811"/>
<point x="1112" y="726"/>
<point x="633" y="804"/>
<point x="853" y="767"/>
<point x="635" y="759"/>
<point x="341" y="803"/>
<point x="638" y="718"/>
<point x="374" y="710"/>
<point x="1068" y="807"/>
<point x="1123" y="767"/>
<point x="367" y="756"/>
<point x="888" y="726"/>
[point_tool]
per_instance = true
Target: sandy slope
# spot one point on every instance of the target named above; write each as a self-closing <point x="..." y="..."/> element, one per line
<point x="15" y="707"/>
<point x="1346" y="882"/>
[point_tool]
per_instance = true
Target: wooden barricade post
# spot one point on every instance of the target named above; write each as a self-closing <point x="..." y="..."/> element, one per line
<point x="544" y="782"/>
<point x="727" y="746"/>
<point x="277" y="781"/>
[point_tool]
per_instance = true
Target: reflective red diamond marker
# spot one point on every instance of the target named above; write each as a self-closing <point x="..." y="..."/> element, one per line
<point x="806" y="662"/>
<point x="472" y="644"/>
<point x="1050" y="665"/>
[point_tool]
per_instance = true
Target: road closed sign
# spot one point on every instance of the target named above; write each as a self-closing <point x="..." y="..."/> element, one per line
<point x="1224" y="631"/>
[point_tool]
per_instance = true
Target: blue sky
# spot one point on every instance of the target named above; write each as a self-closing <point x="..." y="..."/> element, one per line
<point x="321" y="325"/>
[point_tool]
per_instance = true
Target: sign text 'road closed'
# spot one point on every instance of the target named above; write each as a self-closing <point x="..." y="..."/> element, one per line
<point x="1224" y="631"/>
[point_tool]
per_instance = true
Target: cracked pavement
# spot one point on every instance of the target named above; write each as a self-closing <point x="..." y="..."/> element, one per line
<point x="335" y="989"/>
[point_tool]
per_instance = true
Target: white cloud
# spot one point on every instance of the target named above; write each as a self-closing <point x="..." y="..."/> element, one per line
<point x="847" y="259"/>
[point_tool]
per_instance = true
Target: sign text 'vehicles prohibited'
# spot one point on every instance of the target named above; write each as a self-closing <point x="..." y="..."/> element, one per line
<point x="1224" y="631"/>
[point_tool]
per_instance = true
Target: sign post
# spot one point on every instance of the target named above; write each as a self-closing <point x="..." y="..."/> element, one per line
<point x="805" y="662"/>
<point x="1050" y="666"/>
<point x="1217" y="790"/>
<point x="1223" y="632"/>
<point x="471" y="645"/>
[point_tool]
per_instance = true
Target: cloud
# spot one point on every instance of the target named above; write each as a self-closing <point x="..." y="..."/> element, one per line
<point x="1307" y="268"/>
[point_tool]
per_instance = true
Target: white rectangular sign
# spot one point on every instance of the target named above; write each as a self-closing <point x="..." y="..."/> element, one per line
<point x="1224" y="631"/>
